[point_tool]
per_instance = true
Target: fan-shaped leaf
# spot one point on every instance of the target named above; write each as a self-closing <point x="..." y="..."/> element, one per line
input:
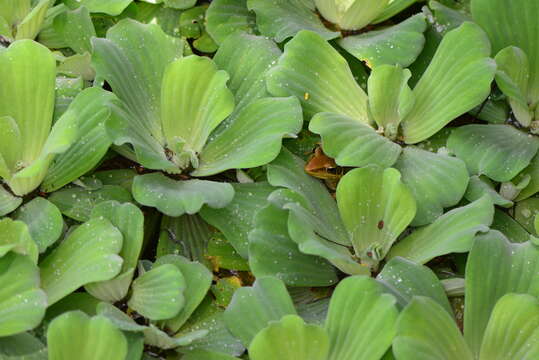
<point x="225" y="17"/>
<point x="76" y="28"/>
<point x="16" y="237"/>
<point x="8" y="202"/>
<point x="351" y="15"/>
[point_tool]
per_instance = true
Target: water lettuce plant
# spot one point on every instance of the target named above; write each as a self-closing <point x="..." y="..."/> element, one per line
<point x="269" y="180"/>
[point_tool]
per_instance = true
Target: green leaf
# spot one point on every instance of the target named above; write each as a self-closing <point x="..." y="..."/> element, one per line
<point x="361" y="320"/>
<point x="253" y="138"/>
<point x="75" y="301"/>
<point x="392" y="8"/>
<point x="76" y="28"/>
<point x="125" y="65"/>
<point x="158" y="293"/>
<point x="109" y="7"/>
<point x="44" y="221"/>
<point x="512" y="24"/>
<point x="282" y="19"/>
<point x="194" y="100"/>
<point x="351" y="15"/>
<point x="197" y="283"/>
<point x="314" y="72"/>
<point x="207" y="355"/>
<point x="16" y="237"/>
<point x="29" y="26"/>
<point x="452" y="232"/>
<point x="375" y="207"/>
<point x="405" y="279"/>
<point x="225" y="17"/>
<point x="352" y="143"/>
<point x="525" y="212"/>
<point x="513" y="329"/>
<point x="512" y="79"/>
<point x="481" y="185"/>
<point x="87" y="254"/>
<point x="273" y="253"/>
<point x="533" y="187"/>
<point x="497" y="151"/>
<point x="77" y="202"/>
<point x="289" y="339"/>
<point x="457" y="79"/>
<point x="90" y="109"/>
<point x="495" y="267"/>
<point x="130" y="221"/>
<point x="187" y="235"/>
<point x="436" y="181"/>
<point x="425" y="331"/>
<point x="8" y="202"/>
<point x="388" y="108"/>
<point x="509" y="227"/>
<point x="180" y="4"/>
<point x="29" y="101"/>
<point x="22" y="302"/>
<point x="237" y="218"/>
<point x="175" y="198"/>
<point x="75" y="335"/>
<point x="253" y="308"/>
<point x="21" y="345"/>
<point x="400" y="44"/>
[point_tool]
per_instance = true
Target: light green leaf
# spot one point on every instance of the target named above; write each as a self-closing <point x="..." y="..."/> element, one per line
<point x="375" y="207"/>
<point x="44" y="221"/>
<point x="253" y="308"/>
<point x="197" y="283"/>
<point x="77" y="202"/>
<point x="180" y="4"/>
<point x="75" y="335"/>
<point x="497" y="151"/>
<point x="513" y="329"/>
<point x="8" y="202"/>
<point x="22" y="302"/>
<point x="158" y="338"/>
<point x="273" y="253"/>
<point x="90" y="109"/>
<point x="87" y="254"/>
<point x="533" y="187"/>
<point x="14" y="12"/>
<point x="237" y="218"/>
<point x="314" y="72"/>
<point x="452" y="232"/>
<point x="253" y="138"/>
<point x="29" y="100"/>
<point x="361" y="320"/>
<point x="194" y="100"/>
<point x="187" y="235"/>
<point x="109" y="7"/>
<point x="207" y="355"/>
<point x="282" y="19"/>
<point x="158" y="293"/>
<point x="436" y="181"/>
<point x="509" y="227"/>
<point x="16" y="237"/>
<point x="512" y="24"/>
<point x="22" y="346"/>
<point x="457" y="79"/>
<point x="405" y="279"/>
<point x="352" y="143"/>
<point x="290" y="339"/>
<point x="425" y="331"/>
<point x="399" y="44"/>
<point x="392" y="8"/>
<point x="351" y="14"/>
<point x="175" y="198"/>
<point x="29" y="26"/>
<point x="481" y="185"/>
<point x="225" y="17"/>
<point x="388" y="108"/>
<point x="496" y="267"/>
<point x="76" y="28"/>
<point x="512" y="79"/>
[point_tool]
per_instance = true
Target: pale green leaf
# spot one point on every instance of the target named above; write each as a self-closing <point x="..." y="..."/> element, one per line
<point x="351" y="14"/>
<point x="76" y="28"/>
<point x="109" y="7"/>
<point x="225" y="17"/>
<point x="30" y="26"/>
<point x="8" y="202"/>
<point x="16" y="238"/>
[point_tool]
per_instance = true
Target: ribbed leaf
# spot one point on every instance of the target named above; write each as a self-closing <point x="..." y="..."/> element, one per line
<point x="187" y="235"/>
<point x="393" y="7"/>
<point x="352" y="143"/>
<point x="405" y="279"/>
<point x="425" y="331"/>
<point x="496" y="267"/>
<point x="457" y="79"/>
<point x="314" y="72"/>
<point x="351" y="15"/>
<point x="109" y="7"/>
<point x="87" y="254"/>
<point x="237" y="218"/>
<point x="225" y="17"/>
<point x="533" y="187"/>
<point x="22" y="302"/>
<point x="452" y="232"/>
<point x="44" y="221"/>
<point x="22" y="346"/>
<point x="8" y="202"/>
<point x="159" y="293"/>
<point x="481" y="185"/>
<point x="175" y="198"/>
<point x="509" y="227"/>
<point x="436" y="181"/>
<point x="16" y="238"/>
<point x="76" y="28"/>
<point x="361" y="320"/>
<point x="375" y="207"/>
<point x="75" y="335"/>
<point x="29" y="26"/>
<point x="400" y="44"/>
<point x="253" y="308"/>
<point x="290" y="339"/>
<point x="497" y="151"/>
